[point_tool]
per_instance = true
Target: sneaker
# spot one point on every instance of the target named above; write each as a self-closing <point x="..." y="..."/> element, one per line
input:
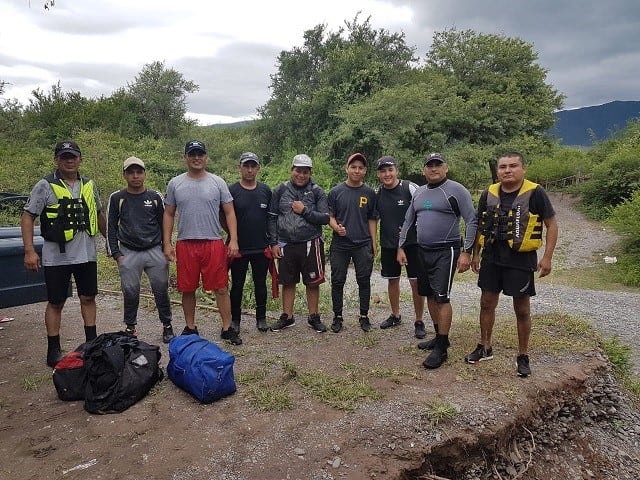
<point x="336" y="325"/>
<point x="131" y="330"/>
<point x="365" y="324"/>
<point x="167" y="333"/>
<point x="437" y="356"/>
<point x="523" y="365"/>
<point x="261" y="324"/>
<point x="235" y="324"/>
<point x="283" y="322"/>
<point x="190" y="331"/>
<point x="231" y="336"/>
<point x="315" y="323"/>
<point x="428" y="345"/>
<point x="53" y="357"/>
<point x="420" y="331"/>
<point x="480" y="354"/>
<point x="392" y="321"/>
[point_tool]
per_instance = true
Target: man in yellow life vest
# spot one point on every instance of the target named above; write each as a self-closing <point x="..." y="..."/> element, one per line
<point x="70" y="217"/>
<point x="511" y="216"/>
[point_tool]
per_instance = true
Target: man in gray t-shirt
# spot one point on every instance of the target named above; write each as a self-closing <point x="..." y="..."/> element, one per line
<point x="197" y="197"/>
<point x="70" y="217"/>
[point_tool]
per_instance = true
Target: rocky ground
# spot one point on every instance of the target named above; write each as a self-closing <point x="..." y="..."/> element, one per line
<point x="569" y="420"/>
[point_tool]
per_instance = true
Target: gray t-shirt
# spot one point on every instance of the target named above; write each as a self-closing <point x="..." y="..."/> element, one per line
<point x="198" y="202"/>
<point x="82" y="248"/>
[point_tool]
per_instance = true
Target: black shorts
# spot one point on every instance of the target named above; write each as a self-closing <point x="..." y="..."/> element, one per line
<point x="511" y="281"/>
<point x="392" y="269"/>
<point x="436" y="275"/>
<point x="304" y="258"/>
<point x="57" y="279"/>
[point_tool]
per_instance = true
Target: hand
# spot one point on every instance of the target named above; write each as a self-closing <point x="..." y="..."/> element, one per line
<point x="464" y="261"/>
<point x="232" y="249"/>
<point x="119" y="259"/>
<point x="32" y="261"/>
<point x="401" y="257"/>
<point x="276" y="251"/>
<point x="340" y="230"/>
<point x="544" y="267"/>
<point x="475" y="264"/>
<point x="170" y="253"/>
<point x="298" y="207"/>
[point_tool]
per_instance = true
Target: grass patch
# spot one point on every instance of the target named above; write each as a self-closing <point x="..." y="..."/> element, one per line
<point x="439" y="411"/>
<point x="32" y="381"/>
<point x="597" y="277"/>
<point x="368" y="340"/>
<point x="252" y="376"/>
<point x="268" y="398"/>
<point x="619" y="355"/>
<point x="338" y="392"/>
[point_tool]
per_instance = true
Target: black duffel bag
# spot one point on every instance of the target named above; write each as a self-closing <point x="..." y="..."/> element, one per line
<point x="120" y="371"/>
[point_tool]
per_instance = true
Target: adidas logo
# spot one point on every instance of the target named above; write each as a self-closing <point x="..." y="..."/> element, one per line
<point x="148" y="203"/>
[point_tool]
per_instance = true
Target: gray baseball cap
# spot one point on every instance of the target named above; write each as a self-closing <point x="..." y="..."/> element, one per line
<point x="302" y="160"/>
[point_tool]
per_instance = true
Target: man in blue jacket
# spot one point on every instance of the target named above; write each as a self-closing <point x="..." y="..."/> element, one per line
<point x="297" y="212"/>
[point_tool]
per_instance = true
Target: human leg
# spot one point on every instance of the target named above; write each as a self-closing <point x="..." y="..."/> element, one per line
<point x="189" y="309"/>
<point x="86" y="278"/>
<point x="339" y="260"/>
<point x="158" y="273"/>
<point x="522" y="309"/>
<point x="130" y="267"/>
<point x="259" y="270"/>
<point x="238" y="270"/>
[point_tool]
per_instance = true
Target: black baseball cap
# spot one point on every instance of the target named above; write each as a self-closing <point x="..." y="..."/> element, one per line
<point x="67" y="146"/>
<point x="386" y="161"/>
<point x="194" y="145"/>
<point x="434" y="157"/>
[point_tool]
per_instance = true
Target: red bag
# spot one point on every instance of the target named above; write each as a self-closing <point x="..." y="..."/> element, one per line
<point x="70" y="375"/>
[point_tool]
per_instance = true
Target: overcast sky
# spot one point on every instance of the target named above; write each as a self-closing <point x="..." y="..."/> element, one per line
<point x="590" y="49"/>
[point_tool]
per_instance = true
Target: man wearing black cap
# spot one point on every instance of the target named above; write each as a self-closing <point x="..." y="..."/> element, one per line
<point x="134" y="241"/>
<point x="436" y="209"/>
<point x="251" y="201"/>
<point x="353" y="219"/>
<point x="393" y="197"/>
<point x="197" y="197"/>
<point x="70" y="217"/>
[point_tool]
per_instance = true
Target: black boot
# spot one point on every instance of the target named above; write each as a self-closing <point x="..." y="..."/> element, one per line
<point x="439" y="353"/>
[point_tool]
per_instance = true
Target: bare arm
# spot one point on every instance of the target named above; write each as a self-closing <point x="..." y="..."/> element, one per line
<point x="168" y="219"/>
<point x="551" y="239"/>
<point x="31" y="257"/>
<point x="373" y="231"/>
<point x="232" y="228"/>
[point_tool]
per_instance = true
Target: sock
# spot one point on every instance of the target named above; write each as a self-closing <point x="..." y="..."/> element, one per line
<point x="53" y="343"/>
<point x="90" y="333"/>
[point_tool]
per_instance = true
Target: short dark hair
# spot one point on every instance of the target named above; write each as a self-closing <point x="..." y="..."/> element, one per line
<point x="513" y="154"/>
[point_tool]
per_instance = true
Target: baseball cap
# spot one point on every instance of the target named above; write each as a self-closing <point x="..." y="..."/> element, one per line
<point x="133" y="161"/>
<point x="434" y="157"/>
<point x="386" y="161"/>
<point x="194" y="145"/>
<point x="249" y="157"/>
<point x="67" y="146"/>
<point x="357" y="156"/>
<point x="302" y="160"/>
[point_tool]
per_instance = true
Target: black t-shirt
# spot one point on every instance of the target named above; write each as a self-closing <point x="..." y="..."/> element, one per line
<point x="352" y="207"/>
<point x="392" y="205"/>
<point x="252" y="208"/>
<point x="499" y="252"/>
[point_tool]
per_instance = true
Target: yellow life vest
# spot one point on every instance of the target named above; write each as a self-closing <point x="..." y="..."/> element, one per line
<point x="61" y="221"/>
<point x="519" y="227"/>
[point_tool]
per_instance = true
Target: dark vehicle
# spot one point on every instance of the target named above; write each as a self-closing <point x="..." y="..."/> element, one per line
<point x="17" y="285"/>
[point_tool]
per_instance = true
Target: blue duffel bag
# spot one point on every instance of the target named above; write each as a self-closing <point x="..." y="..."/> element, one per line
<point x="201" y="368"/>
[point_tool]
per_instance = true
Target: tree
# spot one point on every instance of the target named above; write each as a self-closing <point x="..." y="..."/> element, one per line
<point x="331" y="70"/>
<point x="502" y="85"/>
<point x="162" y="93"/>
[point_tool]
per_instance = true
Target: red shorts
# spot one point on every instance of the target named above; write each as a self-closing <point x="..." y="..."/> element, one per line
<point x="206" y="257"/>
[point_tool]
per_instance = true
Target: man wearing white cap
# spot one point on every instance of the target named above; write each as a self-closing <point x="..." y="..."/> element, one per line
<point x="134" y="241"/>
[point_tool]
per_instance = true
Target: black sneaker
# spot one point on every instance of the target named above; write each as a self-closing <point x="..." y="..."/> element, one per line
<point x="235" y="324"/>
<point x="283" y="322"/>
<point x="315" y="323"/>
<point x="336" y="325"/>
<point x="167" y="333"/>
<point x="437" y="356"/>
<point x="480" y="354"/>
<point x="230" y="336"/>
<point x="523" y="365"/>
<point x="53" y="357"/>
<point x="392" y="321"/>
<point x="131" y="330"/>
<point x="420" y="331"/>
<point x="261" y="324"/>
<point x="365" y="324"/>
<point x="428" y="345"/>
<point x="190" y="331"/>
